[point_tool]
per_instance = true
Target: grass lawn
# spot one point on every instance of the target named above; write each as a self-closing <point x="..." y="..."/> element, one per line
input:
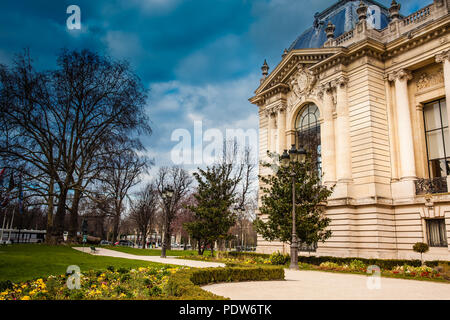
<point x="154" y="252"/>
<point x="21" y="262"/>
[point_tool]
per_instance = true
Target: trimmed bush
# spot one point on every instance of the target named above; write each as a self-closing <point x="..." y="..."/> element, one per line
<point x="277" y="258"/>
<point x="435" y="263"/>
<point x="421" y="247"/>
<point x="185" y="283"/>
<point x="214" y="275"/>
<point x="246" y="255"/>
<point x="357" y="265"/>
<point x="382" y="263"/>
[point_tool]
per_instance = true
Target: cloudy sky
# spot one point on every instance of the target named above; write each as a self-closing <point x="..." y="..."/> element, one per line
<point x="200" y="59"/>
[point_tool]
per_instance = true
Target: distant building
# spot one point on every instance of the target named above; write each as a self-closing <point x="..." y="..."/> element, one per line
<point x="365" y="89"/>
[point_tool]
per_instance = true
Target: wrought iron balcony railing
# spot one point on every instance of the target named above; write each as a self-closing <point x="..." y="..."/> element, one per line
<point x="435" y="185"/>
<point x="303" y="247"/>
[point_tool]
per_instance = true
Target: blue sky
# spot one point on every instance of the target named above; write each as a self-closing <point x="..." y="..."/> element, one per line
<point x="200" y="59"/>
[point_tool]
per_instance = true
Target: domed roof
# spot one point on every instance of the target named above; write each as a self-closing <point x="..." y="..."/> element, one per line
<point x="344" y="17"/>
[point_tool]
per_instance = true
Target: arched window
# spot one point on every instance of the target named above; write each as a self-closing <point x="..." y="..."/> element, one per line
<point x="307" y="126"/>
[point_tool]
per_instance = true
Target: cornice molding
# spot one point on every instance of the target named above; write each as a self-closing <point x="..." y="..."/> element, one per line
<point x="406" y="42"/>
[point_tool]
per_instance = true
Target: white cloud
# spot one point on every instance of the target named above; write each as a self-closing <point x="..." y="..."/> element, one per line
<point x="122" y="43"/>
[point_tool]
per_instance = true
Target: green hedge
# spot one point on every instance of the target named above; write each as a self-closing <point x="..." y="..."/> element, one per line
<point x="185" y="284"/>
<point x="245" y="255"/>
<point x="382" y="263"/>
<point x="435" y="263"/>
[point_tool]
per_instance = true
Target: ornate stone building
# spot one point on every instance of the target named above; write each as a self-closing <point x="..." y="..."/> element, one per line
<point x="366" y="89"/>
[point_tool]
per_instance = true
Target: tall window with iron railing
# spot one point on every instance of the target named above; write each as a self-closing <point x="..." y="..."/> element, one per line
<point x="307" y="127"/>
<point x="438" y="147"/>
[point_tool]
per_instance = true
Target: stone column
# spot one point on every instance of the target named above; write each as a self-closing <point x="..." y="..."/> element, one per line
<point x="343" y="150"/>
<point x="327" y="137"/>
<point x="404" y="125"/>
<point x="281" y="126"/>
<point x="444" y="58"/>
<point x="270" y="130"/>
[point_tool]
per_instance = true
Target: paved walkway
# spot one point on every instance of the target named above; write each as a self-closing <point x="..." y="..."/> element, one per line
<point x="316" y="285"/>
<point x="306" y="285"/>
<point x="168" y="260"/>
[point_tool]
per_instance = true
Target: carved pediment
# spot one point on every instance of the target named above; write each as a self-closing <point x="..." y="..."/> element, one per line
<point x="292" y="74"/>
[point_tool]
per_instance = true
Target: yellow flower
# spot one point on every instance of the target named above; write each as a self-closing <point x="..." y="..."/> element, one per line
<point x="122" y="295"/>
<point x="25" y="298"/>
<point x="4" y="293"/>
<point x="94" y="286"/>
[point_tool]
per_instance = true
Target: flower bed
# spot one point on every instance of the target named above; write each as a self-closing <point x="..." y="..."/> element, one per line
<point x="141" y="283"/>
<point x="405" y="271"/>
<point x="388" y="268"/>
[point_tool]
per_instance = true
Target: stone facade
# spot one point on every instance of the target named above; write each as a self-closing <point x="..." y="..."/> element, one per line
<point x="371" y="87"/>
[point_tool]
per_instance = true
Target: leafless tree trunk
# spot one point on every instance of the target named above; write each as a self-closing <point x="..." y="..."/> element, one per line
<point x="122" y="170"/>
<point x="179" y="181"/>
<point x="144" y="209"/>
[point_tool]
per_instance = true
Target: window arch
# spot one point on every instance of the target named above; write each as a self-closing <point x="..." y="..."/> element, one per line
<point x="307" y="127"/>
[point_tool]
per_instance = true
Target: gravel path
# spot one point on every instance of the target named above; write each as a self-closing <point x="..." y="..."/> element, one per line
<point x="316" y="285"/>
<point x="168" y="260"/>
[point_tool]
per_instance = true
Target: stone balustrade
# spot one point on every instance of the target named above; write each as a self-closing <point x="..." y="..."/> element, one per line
<point x="402" y="26"/>
<point x="419" y="16"/>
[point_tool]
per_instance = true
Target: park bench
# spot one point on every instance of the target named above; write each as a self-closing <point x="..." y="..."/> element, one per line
<point x="93" y="250"/>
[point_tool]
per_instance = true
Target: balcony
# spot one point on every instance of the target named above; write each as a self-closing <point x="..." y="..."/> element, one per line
<point x="431" y="186"/>
<point x="303" y="247"/>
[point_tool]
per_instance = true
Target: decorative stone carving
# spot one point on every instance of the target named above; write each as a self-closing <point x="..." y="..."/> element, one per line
<point x="401" y="74"/>
<point x="302" y="86"/>
<point x="394" y="10"/>
<point x="429" y="80"/>
<point x="342" y="81"/>
<point x="303" y="81"/>
<point x="439" y="3"/>
<point x="329" y="30"/>
<point x="274" y="109"/>
<point x="362" y="11"/>
<point x="441" y="57"/>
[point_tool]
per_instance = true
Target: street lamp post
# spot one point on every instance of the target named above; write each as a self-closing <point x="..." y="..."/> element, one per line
<point x="241" y="212"/>
<point x="167" y="195"/>
<point x="289" y="160"/>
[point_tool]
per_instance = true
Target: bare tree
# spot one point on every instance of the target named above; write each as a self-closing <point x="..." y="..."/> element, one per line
<point x="57" y="122"/>
<point x="178" y="181"/>
<point x="184" y="216"/>
<point x="123" y="167"/>
<point x="143" y="211"/>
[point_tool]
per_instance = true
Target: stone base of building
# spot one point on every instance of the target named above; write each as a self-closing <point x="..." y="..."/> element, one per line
<point x="380" y="231"/>
<point x="433" y="254"/>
